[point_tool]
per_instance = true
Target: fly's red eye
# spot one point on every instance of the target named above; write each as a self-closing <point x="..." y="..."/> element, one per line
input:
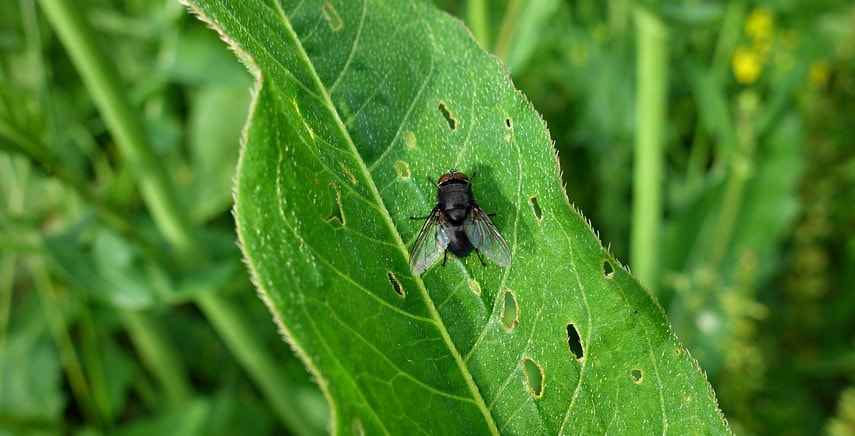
<point x="452" y="175"/>
<point x="460" y="176"/>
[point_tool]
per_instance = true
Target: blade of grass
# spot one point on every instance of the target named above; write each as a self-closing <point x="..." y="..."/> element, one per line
<point x="479" y="21"/>
<point x="523" y="30"/>
<point x="508" y="29"/>
<point x="651" y="88"/>
<point x="737" y="180"/>
<point x="62" y="338"/>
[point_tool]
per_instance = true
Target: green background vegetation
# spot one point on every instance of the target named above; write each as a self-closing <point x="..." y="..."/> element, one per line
<point x="110" y="321"/>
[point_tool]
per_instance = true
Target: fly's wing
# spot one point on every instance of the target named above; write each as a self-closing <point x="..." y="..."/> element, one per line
<point x="485" y="237"/>
<point x="430" y="243"/>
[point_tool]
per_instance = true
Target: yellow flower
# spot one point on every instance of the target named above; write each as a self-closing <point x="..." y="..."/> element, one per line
<point x="747" y="62"/>
<point x="747" y="65"/>
<point x="760" y="24"/>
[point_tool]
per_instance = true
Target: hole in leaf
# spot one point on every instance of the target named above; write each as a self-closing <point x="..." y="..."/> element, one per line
<point x="533" y="377"/>
<point x="449" y="118"/>
<point x="350" y="176"/>
<point x="535" y="207"/>
<point x="508" y="123"/>
<point x="403" y="169"/>
<point x="409" y="140"/>
<point x="574" y="342"/>
<point x="509" y="311"/>
<point x="637" y="376"/>
<point x="396" y="285"/>
<point x="335" y="200"/>
<point x="333" y="19"/>
<point x="608" y="269"/>
<point x="474" y="286"/>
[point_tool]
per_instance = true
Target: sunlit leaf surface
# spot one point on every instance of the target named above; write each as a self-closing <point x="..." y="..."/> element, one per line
<point x="360" y="106"/>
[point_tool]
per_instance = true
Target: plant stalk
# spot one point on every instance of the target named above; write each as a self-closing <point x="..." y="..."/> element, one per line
<point x="651" y="89"/>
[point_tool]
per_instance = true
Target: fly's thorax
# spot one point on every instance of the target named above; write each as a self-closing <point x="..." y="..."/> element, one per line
<point x="455" y="199"/>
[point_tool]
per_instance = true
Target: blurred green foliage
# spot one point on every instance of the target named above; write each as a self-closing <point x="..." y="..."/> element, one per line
<point x="106" y="326"/>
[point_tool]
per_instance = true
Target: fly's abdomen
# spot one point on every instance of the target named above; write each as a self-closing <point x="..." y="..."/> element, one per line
<point x="458" y="242"/>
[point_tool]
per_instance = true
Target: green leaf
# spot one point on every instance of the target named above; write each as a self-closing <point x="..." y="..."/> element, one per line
<point x="31" y="394"/>
<point x="104" y="265"/>
<point x="358" y="105"/>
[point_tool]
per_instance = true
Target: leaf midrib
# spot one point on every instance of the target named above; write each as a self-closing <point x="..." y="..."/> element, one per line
<point x="363" y="168"/>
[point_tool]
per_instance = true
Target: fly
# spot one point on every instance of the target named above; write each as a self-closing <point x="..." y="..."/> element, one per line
<point x="459" y="225"/>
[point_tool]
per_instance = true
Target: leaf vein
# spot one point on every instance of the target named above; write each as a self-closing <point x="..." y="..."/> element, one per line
<point x="589" y="329"/>
<point x="353" y="47"/>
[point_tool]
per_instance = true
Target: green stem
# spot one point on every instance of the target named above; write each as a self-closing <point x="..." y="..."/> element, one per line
<point x="651" y="88"/>
<point x="729" y="36"/>
<point x="730" y="207"/>
<point x="508" y="29"/>
<point x="478" y="21"/>
<point x="64" y="345"/>
<point x="92" y="356"/>
<point x="740" y="173"/>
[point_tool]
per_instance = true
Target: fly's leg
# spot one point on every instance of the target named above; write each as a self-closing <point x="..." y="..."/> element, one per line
<point x="478" y="252"/>
<point x="444" y="257"/>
